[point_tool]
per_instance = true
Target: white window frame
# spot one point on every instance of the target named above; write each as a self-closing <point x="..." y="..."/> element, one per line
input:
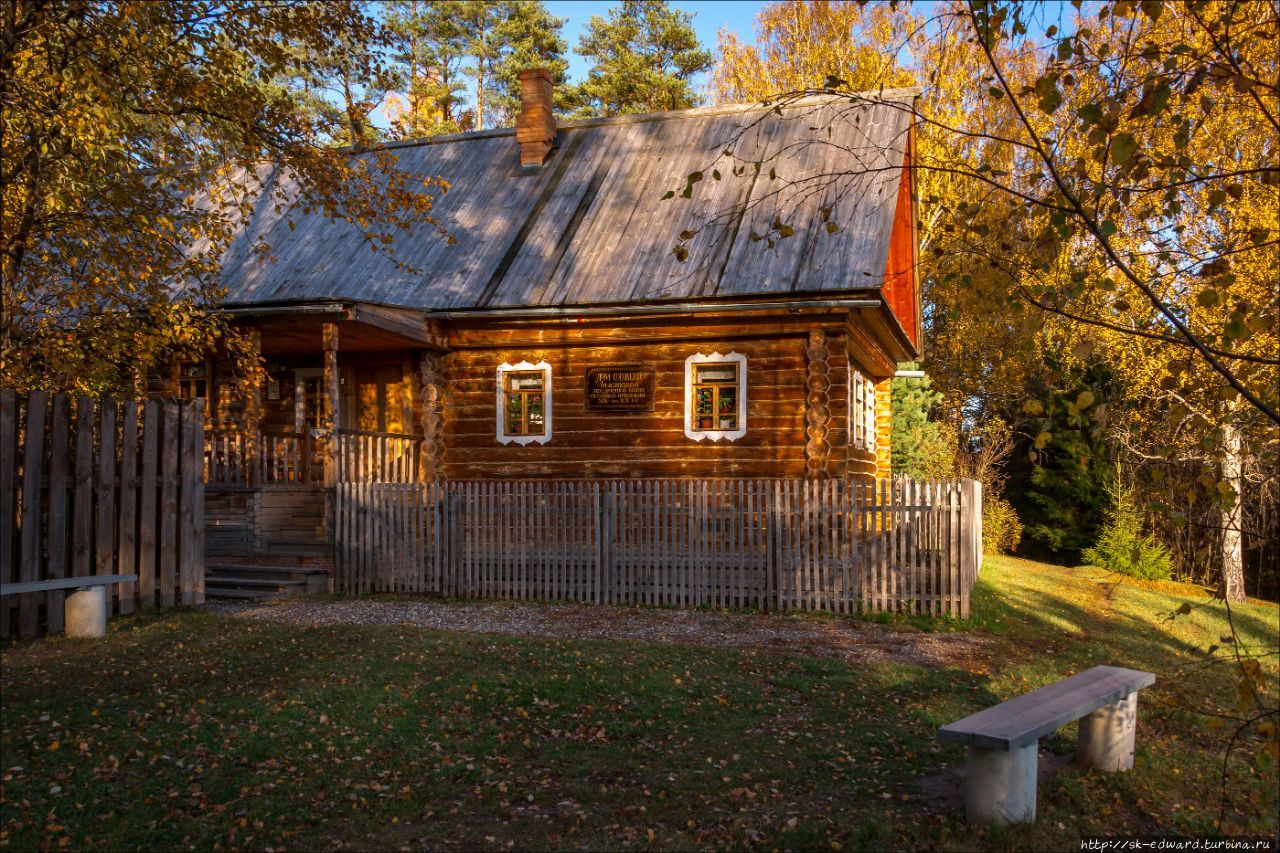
<point x="870" y="413"/>
<point x="716" y="434"/>
<point x="862" y="410"/>
<point x="523" y="367"/>
<point x="857" y="392"/>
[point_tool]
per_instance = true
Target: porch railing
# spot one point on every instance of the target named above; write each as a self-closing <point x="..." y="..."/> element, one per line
<point x="380" y="457"/>
<point x="278" y="457"/>
<point x="238" y="458"/>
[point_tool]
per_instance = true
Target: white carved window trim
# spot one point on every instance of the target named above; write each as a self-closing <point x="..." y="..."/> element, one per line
<point x="857" y="398"/>
<point x="870" y="414"/>
<point x="523" y="367"/>
<point x="862" y="410"/>
<point x="715" y="435"/>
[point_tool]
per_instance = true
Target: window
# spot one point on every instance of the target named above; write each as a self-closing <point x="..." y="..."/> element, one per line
<point x="308" y="399"/>
<point x="524" y="403"/>
<point x="193" y="382"/>
<point x="862" y="411"/>
<point x="715" y="403"/>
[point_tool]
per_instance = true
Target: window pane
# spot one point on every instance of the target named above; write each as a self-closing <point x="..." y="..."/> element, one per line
<point x="717" y="373"/>
<point x="728" y="400"/>
<point x="525" y="381"/>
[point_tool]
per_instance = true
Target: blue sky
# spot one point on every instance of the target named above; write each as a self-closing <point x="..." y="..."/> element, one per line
<point x="709" y="16"/>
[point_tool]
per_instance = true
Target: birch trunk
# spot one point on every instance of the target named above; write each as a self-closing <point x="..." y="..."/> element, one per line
<point x="1232" y="542"/>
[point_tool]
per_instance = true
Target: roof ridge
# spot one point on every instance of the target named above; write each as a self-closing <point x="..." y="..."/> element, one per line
<point x="876" y="95"/>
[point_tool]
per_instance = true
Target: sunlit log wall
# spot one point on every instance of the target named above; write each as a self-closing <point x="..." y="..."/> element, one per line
<point x="653" y="444"/>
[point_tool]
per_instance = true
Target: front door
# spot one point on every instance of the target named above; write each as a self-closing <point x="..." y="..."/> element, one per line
<point x="308" y="400"/>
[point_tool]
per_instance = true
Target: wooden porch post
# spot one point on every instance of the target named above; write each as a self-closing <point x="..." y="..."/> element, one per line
<point x="173" y="379"/>
<point x="817" y="407"/>
<point x="329" y="403"/>
<point x="431" y="395"/>
<point x="329" y="425"/>
<point x="252" y="409"/>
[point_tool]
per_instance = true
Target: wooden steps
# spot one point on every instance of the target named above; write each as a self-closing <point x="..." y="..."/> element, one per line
<point x="245" y="578"/>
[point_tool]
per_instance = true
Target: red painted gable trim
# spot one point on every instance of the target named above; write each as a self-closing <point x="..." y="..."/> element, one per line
<point x="900" y="290"/>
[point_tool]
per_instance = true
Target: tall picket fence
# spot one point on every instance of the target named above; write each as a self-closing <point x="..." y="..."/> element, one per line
<point x="99" y="487"/>
<point x="771" y="544"/>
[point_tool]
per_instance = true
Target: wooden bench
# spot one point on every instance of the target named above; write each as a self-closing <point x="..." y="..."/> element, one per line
<point x="85" y="609"/>
<point x="1003" y="740"/>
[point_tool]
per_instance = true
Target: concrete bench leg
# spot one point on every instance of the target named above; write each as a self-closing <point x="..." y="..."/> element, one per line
<point x="86" y="612"/>
<point x="1106" y="736"/>
<point x="1001" y="787"/>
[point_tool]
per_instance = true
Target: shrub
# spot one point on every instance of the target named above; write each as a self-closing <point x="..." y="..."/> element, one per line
<point x="1122" y="547"/>
<point x="1001" y="529"/>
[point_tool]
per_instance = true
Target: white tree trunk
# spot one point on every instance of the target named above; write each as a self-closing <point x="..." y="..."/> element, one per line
<point x="1232" y="542"/>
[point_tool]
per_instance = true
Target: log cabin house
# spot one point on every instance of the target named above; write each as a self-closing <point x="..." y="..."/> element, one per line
<point x="562" y="334"/>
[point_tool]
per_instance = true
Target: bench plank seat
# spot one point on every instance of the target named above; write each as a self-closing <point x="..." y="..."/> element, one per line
<point x="1024" y="719"/>
<point x="64" y="583"/>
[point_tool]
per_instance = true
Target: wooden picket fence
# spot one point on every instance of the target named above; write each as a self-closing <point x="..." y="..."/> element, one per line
<point x="99" y="487"/>
<point x="769" y="544"/>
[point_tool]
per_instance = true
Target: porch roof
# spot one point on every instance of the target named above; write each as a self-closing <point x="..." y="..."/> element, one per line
<point x="294" y="327"/>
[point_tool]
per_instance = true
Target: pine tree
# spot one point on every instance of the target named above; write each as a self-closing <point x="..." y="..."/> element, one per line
<point x="441" y="45"/>
<point x="643" y="58"/>
<point x="530" y="36"/>
<point x="429" y="44"/>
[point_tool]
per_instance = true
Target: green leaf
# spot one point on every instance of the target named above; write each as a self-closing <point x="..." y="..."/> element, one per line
<point x="995" y="92"/>
<point x="1123" y="146"/>
<point x="681" y="253"/>
<point x="1107" y="228"/>
<point x="669" y="194"/>
<point x="1208" y="298"/>
<point x="832" y="227"/>
<point x="1089" y="114"/>
<point x="1050" y="97"/>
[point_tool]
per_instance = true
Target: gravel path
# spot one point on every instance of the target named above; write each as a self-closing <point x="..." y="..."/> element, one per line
<point x="852" y="639"/>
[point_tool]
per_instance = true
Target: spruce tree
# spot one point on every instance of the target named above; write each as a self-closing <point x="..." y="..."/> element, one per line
<point x="922" y="449"/>
<point x="644" y="56"/>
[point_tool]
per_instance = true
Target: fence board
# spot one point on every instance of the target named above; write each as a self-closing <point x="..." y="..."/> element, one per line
<point x="128" y="503"/>
<point x="56" y="538"/>
<point x="169" y="473"/>
<point x="8" y="522"/>
<point x="32" y="468"/>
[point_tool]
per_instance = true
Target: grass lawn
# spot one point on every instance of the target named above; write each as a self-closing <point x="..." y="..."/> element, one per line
<point x="200" y="730"/>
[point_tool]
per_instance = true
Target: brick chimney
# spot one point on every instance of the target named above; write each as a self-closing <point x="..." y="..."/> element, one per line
<point x="536" y="126"/>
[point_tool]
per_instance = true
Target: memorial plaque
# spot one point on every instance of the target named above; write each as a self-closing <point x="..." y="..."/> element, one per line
<point x="620" y="388"/>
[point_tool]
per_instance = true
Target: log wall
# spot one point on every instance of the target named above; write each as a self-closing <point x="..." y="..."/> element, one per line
<point x="646" y="444"/>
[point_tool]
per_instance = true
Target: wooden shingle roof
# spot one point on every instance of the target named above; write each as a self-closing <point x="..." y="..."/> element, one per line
<point x="593" y="227"/>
